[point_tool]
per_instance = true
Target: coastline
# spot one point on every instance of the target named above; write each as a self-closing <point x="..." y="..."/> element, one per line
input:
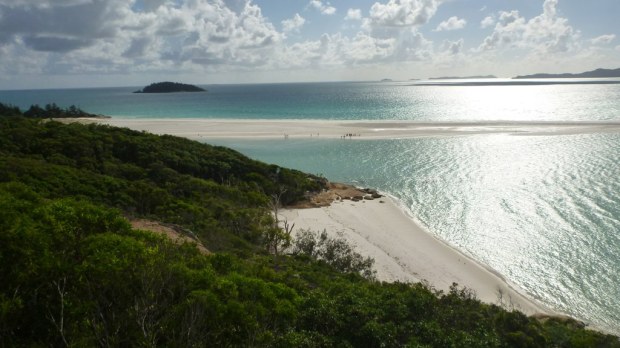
<point x="404" y="251"/>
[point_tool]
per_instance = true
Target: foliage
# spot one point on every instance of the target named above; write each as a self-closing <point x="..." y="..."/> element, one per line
<point x="336" y="252"/>
<point x="168" y="87"/>
<point x="216" y="192"/>
<point x="74" y="273"/>
<point x="49" y="111"/>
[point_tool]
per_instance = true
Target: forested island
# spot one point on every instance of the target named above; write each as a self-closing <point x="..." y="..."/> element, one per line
<point x="170" y="87"/>
<point x="77" y="271"/>
<point x="598" y="73"/>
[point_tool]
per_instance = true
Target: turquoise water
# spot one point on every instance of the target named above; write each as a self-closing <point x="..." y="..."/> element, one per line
<point x="544" y="211"/>
<point x="345" y="101"/>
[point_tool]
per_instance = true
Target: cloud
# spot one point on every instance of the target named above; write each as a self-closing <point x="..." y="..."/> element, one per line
<point x="323" y="7"/>
<point x="403" y="13"/>
<point x="114" y="36"/>
<point x="353" y="14"/>
<point x="452" y="23"/>
<point x="488" y="21"/>
<point x="54" y="44"/>
<point x="453" y="47"/>
<point x="603" y="39"/>
<point x="293" y="24"/>
<point x="189" y="36"/>
<point x="69" y="24"/>
<point x="544" y="34"/>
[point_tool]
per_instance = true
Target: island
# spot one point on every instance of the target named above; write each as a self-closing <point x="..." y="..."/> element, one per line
<point x="170" y="87"/>
<point x="598" y="73"/>
<point x="463" y="77"/>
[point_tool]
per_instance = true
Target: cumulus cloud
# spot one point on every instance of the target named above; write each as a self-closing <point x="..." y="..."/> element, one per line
<point x="488" y="21"/>
<point x="353" y="14"/>
<point x="403" y="13"/>
<point x="293" y="24"/>
<point x="547" y="33"/>
<point x="324" y="7"/>
<point x="452" y="23"/>
<point x="186" y="36"/>
<point x="112" y="35"/>
<point x="603" y="39"/>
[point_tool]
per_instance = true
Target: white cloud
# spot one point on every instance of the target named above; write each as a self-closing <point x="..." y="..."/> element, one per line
<point x="403" y="13"/>
<point x="603" y="39"/>
<point x="544" y="34"/>
<point x="452" y="23"/>
<point x="353" y="14"/>
<point x="324" y="7"/>
<point x="487" y="22"/>
<point x="293" y="24"/>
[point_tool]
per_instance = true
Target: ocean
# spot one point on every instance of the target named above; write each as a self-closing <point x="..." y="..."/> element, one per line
<point x="542" y="210"/>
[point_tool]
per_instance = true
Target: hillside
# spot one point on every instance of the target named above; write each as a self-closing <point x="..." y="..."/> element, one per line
<point x="75" y="273"/>
<point x="598" y="73"/>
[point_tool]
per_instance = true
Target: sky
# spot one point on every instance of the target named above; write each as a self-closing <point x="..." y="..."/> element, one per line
<point x="104" y="43"/>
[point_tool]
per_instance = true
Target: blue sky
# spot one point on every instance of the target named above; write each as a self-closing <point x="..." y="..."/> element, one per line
<point x="92" y="43"/>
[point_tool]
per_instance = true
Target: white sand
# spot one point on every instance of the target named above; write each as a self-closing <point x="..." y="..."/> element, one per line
<point x="265" y="129"/>
<point x="404" y="251"/>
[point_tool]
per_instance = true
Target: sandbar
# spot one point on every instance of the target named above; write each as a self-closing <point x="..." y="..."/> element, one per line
<point x="204" y="129"/>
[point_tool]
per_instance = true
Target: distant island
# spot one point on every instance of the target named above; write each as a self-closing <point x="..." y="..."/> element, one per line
<point x="170" y="87"/>
<point x="598" y="73"/>
<point x="463" y="77"/>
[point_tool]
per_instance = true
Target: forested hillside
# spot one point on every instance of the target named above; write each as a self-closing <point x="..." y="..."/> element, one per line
<point x="73" y="272"/>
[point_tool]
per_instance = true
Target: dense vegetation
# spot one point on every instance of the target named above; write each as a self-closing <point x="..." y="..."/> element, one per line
<point x="48" y="111"/>
<point x="74" y="273"/>
<point x="169" y="87"/>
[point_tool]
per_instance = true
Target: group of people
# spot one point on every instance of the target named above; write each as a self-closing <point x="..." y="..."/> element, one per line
<point x="350" y="135"/>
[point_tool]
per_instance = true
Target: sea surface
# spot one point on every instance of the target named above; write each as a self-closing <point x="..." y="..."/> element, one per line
<point x="542" y="210"/>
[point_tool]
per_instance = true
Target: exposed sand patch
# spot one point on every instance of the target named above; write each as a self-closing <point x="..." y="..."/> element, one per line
<point x="168" y="230"/>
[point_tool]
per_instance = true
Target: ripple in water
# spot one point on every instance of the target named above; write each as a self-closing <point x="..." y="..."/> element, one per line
<point x="542" y="210"/>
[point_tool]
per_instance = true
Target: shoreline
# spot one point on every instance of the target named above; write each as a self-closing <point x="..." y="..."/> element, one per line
<point x="204" y="129"/>
<point x="405" y="251"/>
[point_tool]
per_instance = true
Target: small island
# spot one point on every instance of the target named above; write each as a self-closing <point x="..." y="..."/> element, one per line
<point x="170" y="87"/>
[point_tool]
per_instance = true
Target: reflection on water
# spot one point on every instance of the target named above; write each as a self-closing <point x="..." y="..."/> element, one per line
<point x="543" y="211"/>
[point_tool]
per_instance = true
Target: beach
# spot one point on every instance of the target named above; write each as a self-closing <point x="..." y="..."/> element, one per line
<point x="403" y="250"/>
<point x="332" y="129"/>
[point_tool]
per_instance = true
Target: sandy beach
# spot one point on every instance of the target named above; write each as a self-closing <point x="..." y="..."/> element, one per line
<point x="404" y="251"/>
<point x="204" y="129"/>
